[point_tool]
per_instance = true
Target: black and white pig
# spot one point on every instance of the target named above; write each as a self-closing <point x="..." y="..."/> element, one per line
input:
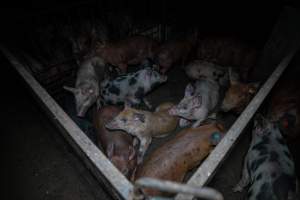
<point x="198" y="103"/>
<point x="268" y="165"/>
<point x="86" y="90"/>
<point x="130" y="88"/>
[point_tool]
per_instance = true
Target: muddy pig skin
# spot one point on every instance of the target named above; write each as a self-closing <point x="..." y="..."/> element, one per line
<point x="145" y="124"/>
<point x="132" y="50"/>
<point x="175" y="158"/>
<point x="198" y="69"/>
<point x="238" y="95"/>
<point x="86" y="90"/>
<point x="200" y="99"/>
<point x="130" y="88"/>
<point x="268" y="165"/>
<point x="117" y="145"/>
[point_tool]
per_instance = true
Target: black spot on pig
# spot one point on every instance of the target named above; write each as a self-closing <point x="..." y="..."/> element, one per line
<point x="264" y="194"/>
<point x="259" y="176"/>
<point x="282" y="185"/>
<point x="106" y="86"/>
<point x="104" y="92"/>
<point x="114" y="90"/>
<point x="132" y="81"/>
<point x="249" y="193"/>
<point x="256" y="163"/>
<point x="287" y="154"/>
<point x="140" y="116"/>
<point x="261" y="145"/>
<point x="139" y="93"/>
<point x="273" y="156"/>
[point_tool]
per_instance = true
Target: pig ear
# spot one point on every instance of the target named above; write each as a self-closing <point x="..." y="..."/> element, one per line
<point x="189" y="90"/>
<point x="253" y="88"/>
<point x="110" y="150"/>
<point x="233" y="76"/>
<point x="132" y="152"/>
<point x="139" y="117"/>
<point x="70" y="89"/>
<point x="197" y="100"/>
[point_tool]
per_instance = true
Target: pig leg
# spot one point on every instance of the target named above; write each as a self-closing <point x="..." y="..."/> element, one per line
<point x="202" y="116"/>
<point x="244" y="181"/>
<point x="184" y="122"/>
<point x="144" y="144"/>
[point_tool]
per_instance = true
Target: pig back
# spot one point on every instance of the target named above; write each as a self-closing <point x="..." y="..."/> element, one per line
<point x="174" y="159"/>
<point x="164" y="122"/>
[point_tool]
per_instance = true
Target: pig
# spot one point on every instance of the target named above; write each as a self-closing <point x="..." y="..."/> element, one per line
<point x="130" y="88"/>
<point x="86" y="90"/>
<point x="173" y="52"/>
<point x="284" y="106"/>
<point x="176" y="157"/>
<point x="268" y="165"/>
<point x="117" y="145"/>
<point x="130" y="51"/>
<point x="228" y="51"/>
<point x="238" y="95"/>
<point x="145" y="124"/>
<point x="202" y="69"/>
<point x="199" y="101"/>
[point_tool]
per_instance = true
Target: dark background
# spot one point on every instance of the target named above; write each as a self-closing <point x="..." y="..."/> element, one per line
<point x="251" y="20"/>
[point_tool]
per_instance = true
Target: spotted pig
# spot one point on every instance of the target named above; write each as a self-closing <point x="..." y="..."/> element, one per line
<point x="268" y="165"/>
<point x="130" y="88"/>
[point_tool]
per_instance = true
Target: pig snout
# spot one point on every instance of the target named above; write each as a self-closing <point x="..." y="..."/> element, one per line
<point x="173" y="111"/>
<point x="81" y="111"/>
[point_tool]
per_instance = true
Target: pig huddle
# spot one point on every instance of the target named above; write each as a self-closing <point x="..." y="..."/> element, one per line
<point x="125" y="132"/>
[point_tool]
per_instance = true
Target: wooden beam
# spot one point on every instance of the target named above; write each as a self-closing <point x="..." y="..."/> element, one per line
<point x="209" y="167"/>
<point x="95" y="160"/>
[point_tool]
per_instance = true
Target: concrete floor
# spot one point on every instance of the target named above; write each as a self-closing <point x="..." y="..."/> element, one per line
<point x="37" y="163"/>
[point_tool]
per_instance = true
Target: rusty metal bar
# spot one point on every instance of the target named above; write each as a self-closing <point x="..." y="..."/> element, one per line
<point x="95" y="160"/>
<point x="173" y="187"/>
<point x="208" y="168"/>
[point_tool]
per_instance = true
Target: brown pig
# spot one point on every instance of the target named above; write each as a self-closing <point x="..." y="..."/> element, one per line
<point x="117" y="145"/>
<point x="132" y="50"/>
<point x="284" y="106"/>
<point x="175" y="158"/>
<point x="238" y="95"/>
<point x="175" y="52"/>
<point x="145" y="124"/>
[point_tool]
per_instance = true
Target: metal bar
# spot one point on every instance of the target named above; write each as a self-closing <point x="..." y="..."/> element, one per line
<point x="208" y="168"/>
<point x="173" y="187"/>
<point x="94" y="159"/>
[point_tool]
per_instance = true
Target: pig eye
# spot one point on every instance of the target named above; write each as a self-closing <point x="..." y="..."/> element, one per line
<point x="124" y="120"/>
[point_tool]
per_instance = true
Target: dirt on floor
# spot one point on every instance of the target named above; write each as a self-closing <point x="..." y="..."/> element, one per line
<point x="37" y="163"/>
